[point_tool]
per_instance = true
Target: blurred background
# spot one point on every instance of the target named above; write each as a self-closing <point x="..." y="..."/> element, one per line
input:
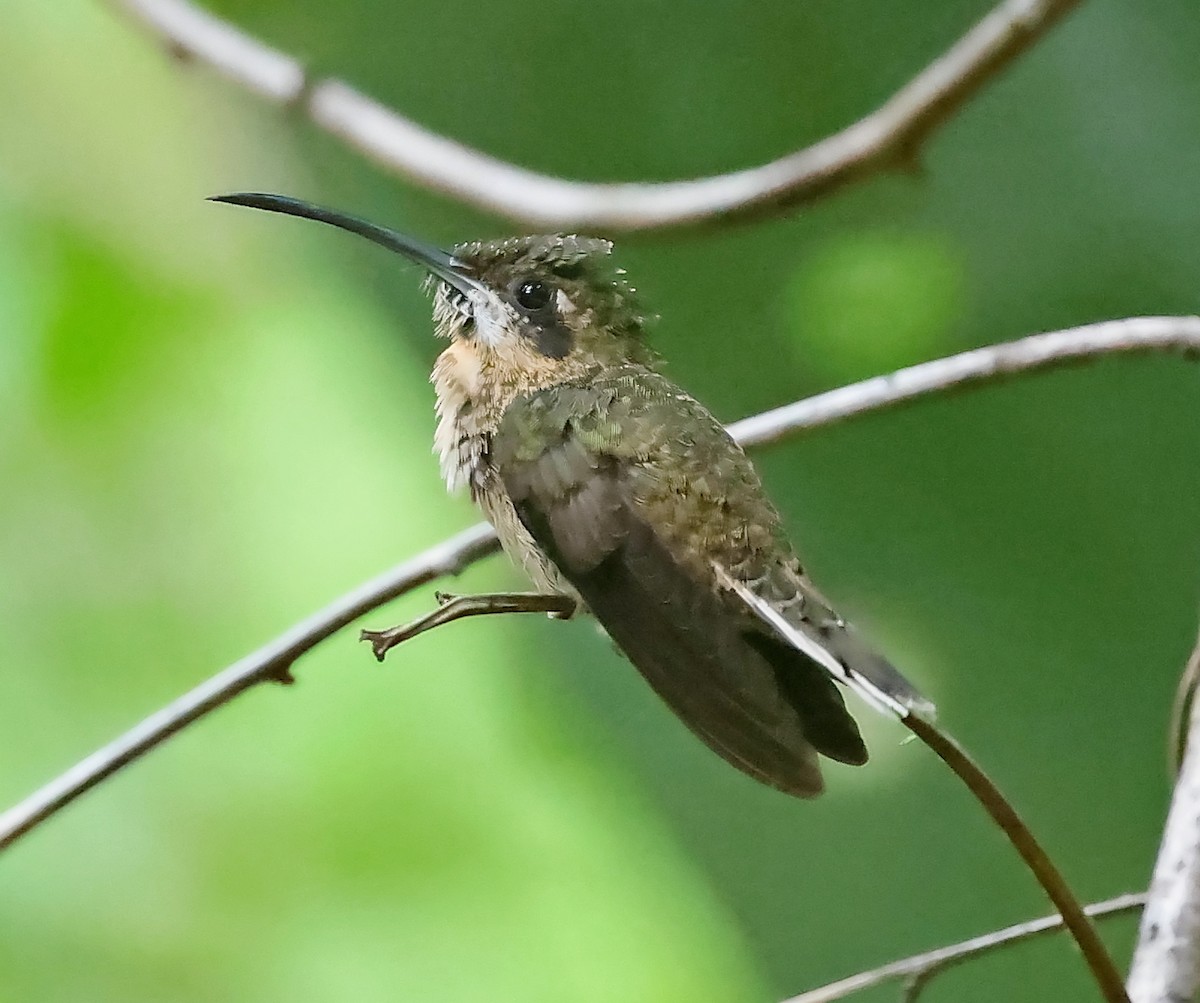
<point x="212" y="422"/>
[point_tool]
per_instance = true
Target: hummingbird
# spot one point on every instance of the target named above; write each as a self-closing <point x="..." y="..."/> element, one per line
<point x="620" y="495"/>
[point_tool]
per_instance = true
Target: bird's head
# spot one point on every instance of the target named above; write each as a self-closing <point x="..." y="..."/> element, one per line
<point x="544" y="305"/>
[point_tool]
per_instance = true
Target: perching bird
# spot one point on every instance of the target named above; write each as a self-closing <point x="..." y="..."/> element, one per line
<point x="610" y="485"/>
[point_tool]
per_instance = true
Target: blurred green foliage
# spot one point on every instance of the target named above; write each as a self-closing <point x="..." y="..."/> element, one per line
<point x="212" y="422"/>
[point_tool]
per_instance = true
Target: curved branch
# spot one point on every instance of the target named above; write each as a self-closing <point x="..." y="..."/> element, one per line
<point x="922" y="968"/>
<point x="1072" y="915"/>
<point x="1039" y="351"/>
<point x="916" y="714"/>
<point x="886" y="138"/>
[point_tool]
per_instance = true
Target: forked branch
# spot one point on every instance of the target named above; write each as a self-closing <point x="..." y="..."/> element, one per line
<point x="451" y="608"/>
<point x="887" y="138"/>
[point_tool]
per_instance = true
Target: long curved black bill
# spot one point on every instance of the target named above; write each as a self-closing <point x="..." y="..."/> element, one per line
<point x="431" y="258"/>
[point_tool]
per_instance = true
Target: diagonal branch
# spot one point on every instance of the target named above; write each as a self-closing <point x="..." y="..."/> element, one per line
<point x="270" y="663"/>
<point x="273" y="661"/>
<point x="916" y="714"/>
<point x="1045" y="872"/>
<point x="921" y="968"/>
<point x="887" y="138"/>
<point x="1166" y="962"/>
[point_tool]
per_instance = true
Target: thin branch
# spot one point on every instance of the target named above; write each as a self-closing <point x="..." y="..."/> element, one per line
<point x="1039" y="351"/>
<point x="1095" y="954"/>
<point x="1166" y="962"/>
<point x="887" y="138"/>
<point x="272" y="662"/>
<point x="921" y="968"/>
<point x="451" y="608"/>
<point x="1181" y="713"/>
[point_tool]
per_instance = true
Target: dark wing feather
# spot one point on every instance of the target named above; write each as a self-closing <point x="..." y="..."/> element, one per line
<point x="588" y="472"/>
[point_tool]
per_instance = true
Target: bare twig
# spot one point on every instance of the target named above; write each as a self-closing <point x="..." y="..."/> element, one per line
<point x="921" y="968"/>
<point x="1038" y="351"/>
<point x="1166" y="962"/>
<point x="1095" y="954"/>
<point x="451" y="608"/>
<point x="888" y="137"/>
<point x="273" y="661"/>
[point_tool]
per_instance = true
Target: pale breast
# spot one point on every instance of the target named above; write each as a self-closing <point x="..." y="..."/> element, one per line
<point x="461" y="436"/>
<point x="465" y="424"/>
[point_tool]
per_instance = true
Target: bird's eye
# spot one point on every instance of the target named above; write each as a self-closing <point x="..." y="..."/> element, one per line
<point x="532" y="294"/>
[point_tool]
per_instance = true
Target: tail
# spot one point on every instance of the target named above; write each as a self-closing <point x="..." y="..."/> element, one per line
<point x="811" y="628"/>
<point x="875" y="671"/>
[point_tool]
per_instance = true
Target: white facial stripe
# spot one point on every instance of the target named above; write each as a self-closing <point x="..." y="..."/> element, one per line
<point x="492" y="316"/>
<point x="565" y="306"/>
